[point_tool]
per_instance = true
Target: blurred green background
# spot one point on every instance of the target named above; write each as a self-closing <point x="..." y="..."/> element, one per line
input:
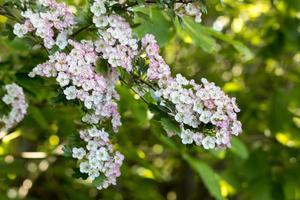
<point x="251" y="48"/>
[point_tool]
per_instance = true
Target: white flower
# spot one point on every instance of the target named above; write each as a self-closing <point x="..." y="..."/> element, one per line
<point x="63" y="79"/>
<point x="187" y="136"/>
<point x="236" y="128"/>
<point x="84" y="167"/>
<point x="70" y="92"/>
<point x="198" y="107"/>
<point x="78" y="153"/>
<point x="16" y="99"/>
<point x="100" y="22"/>
<point x="198" y="137"/>
<point x="205" y="116"/>
<point x="20" y="30"/>
<point x="8" y="99"/>
<point x="181" y="80"/>
<point x="94" y="132"/>
<point x="88" y="102"/>
<point x="208" y="142"/>
<point x="102" y="154"/>
<point x="98" y="8"/>
<point x="93" y="174"/>
<point x="92" y="145"/>
<point x="179" y="117"/>
<point x="62" y="40"/>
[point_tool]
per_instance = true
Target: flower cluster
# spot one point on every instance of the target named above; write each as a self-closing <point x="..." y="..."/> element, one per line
<point x="206" y="115"/>
<point x="205" y="109"/>
<point x="75" y="73"/>
<point x="53" y="17"/>
<point x="207" y="112"/>
<point x="16" y="99"/>
<point x="116" y="43"/>
<point x="97" y="158"/>
<point x="190" y="9"/>
<point x="158" y="68"/>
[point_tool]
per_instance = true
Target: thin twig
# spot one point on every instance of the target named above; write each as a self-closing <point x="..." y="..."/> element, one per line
<point x="124" y="82"/>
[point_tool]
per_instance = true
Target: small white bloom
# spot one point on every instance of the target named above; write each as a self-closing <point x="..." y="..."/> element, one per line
<point x="94" y="132"/>
<point x="209" y="142"/>
<point x="181" y="80"/>
<point x="8" y="99"/>
<point x="187" y="136"/>
<point x="205" y="117"/>
<point x="198" y="137"/>
<point x="101" y="21"/>
<point x="102" y="154"/>
<point x="98" y="8"/>
<point x="92" y="145"/>
<point x="62" y="40"/>
<point x="20" y="30"/>
<point x="84" y="167"/>
<point x="70" y="92"/>
<point x="198" y="107"/>
<point x="78" y="153"/>
<point x="63" y="79"/>
<point x="93" y="174"/>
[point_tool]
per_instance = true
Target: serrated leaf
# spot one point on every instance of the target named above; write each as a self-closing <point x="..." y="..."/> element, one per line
<point x="200" y="29"/>
<point x="239" y="148"/>
<point x="170" y="125"/>
<point x="210" y="179"/>
<point x="157" y="23"/>
<point x="198" y="36"/>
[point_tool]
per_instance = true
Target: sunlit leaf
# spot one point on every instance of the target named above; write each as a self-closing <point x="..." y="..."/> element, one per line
<point x="239" y="148"/>
<point x="210" y="179"/>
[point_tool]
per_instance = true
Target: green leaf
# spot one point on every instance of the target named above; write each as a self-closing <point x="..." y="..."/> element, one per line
<point x="168" y="142"/>
<point x="239" y="148"/>
<point x="201" y="32"/>
<point x="157" y="23"/>
<point x="98" y="181"/>
<point x="170" y="125"/>
<point x="38" y="116"/>
<point x="210" y="178"/>
<point x="198" y="35"/>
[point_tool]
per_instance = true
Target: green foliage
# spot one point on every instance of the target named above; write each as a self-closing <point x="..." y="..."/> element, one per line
<point x="239" y="148"/>
<point x="153" y="20"/>
<point x="255" y="56"/>
<point x="209" y="177"/>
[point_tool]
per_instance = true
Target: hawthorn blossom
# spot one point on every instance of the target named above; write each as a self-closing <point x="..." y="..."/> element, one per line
<point x="209" y="114"/>
<point x="97" y="158"/>
<point x="16" y="99"/>
<point x="76" y="74"/>
<point x="116" y="43"/>
<point x="158" y="68"/>
<point x="55" y="17"/>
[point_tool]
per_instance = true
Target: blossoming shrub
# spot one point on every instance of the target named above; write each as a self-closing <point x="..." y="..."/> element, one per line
<point x="87" y="71"/>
